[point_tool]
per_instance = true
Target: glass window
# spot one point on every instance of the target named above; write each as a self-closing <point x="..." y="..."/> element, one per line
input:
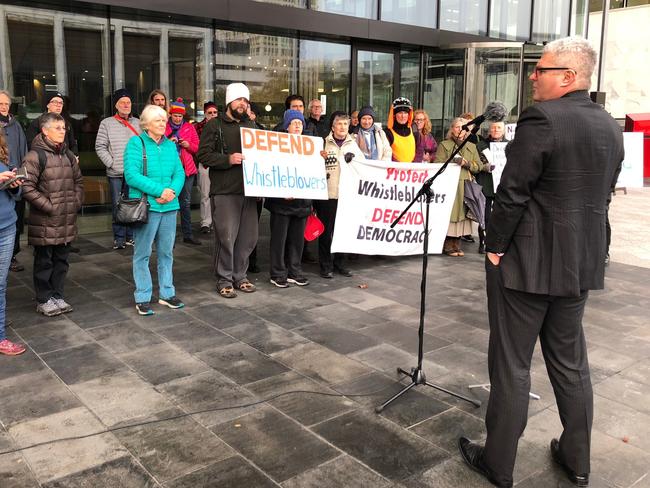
<point x="579" y="18"/>
<point x="532" y="53"/>
<point x="141" y="67"/>
<point x="497" y="76"/>
<point x="366" y="9"/>
<point x="83" y="52"/>
<point x="415" y="12"/>
<point x="510" y="19"/>
<point x="550" y="19"/>
<point x="444" y="72"/>
<point x="266" y="64"/>
<point x="325" y="74"/>
<point x="32" y="62"/>
<point x="463" y="16"/>
<point x="409" y="80"/>
<point x="286" y="3"/>
<point x="375" y="74"/>
<point x="183" y="83"/>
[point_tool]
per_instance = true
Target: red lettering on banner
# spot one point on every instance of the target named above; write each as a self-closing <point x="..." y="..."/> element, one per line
<point x="387" y="216"/>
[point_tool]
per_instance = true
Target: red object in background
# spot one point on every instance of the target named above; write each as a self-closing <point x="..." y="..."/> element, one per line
<point x="641" y="123"/>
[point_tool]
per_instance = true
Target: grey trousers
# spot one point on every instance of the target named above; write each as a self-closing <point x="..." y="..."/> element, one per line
<point x="234" y="218"/>
<point x="516" y="320"/>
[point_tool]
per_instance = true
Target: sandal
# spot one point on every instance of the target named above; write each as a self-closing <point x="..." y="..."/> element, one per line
<point x="460" y="253"/>
<point x="227" y="292"/>
<point x="451" y="252"/>
<point x="246" y="286"/>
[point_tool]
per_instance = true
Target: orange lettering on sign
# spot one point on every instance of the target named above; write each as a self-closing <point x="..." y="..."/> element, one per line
<point x="247" y="138"/>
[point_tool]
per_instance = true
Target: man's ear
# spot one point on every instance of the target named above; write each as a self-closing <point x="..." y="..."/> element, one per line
<point x="569" y="78"/>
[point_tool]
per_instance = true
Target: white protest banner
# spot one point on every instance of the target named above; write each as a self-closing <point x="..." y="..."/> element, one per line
<point x="281" y="165"/>
<point x="373" y="193"/>
<point x="510" y="132"/>
<point x="498" y="153"/>
<point x="631" y="175"/>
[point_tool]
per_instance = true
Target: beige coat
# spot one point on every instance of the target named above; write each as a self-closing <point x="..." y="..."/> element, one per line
<point x="334" y="170"/>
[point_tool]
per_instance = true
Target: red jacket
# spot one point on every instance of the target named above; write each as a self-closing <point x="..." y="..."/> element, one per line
<point x="187" y="133"/>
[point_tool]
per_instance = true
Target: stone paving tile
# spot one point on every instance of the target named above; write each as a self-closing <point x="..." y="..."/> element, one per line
<point x="265" y="337"/>
<point x="339" y="339"/>
<point x="357" y="298"/>
<point x="15" y="473"/>
<point x="95" y="313"/>
<point x="241" y="363"/>
<point x="444" y="429"/>
<point x="308" y="409"/>
<point x="123" y="337"/>
<point x="280" y="447"/>
<point x="195" y="336"/>
<point x="404" y="337"/>
<point x="626" y="391"/>
<point x="344" y="315"/>
<point x="61" y="334"/>
<point x="450" y="473"/>
<point x="233" y="472"/>
<point x="83" y="363"/>
<point x="11" y="366"/>
<point x="220" y="316"/>
<point x="391" y="451"/>
<point x="342" y="471"/>
<point x="122" y="472"/>
<point x="173" y="448"/>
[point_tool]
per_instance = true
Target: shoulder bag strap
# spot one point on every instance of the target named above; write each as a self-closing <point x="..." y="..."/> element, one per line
<point x="126" y="123"/>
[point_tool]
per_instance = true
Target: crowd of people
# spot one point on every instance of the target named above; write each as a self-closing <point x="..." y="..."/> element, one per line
<point x="163" y="155"/>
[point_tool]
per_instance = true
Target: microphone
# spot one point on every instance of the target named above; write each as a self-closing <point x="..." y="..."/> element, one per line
<point x="494" y="112"/>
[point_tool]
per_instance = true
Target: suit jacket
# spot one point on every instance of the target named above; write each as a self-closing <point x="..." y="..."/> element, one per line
<point x="550" y="209"/>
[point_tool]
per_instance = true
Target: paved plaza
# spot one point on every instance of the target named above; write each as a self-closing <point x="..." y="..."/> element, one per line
<point x="95" y="373"/>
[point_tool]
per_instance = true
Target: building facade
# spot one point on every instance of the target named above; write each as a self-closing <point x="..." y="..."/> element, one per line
<point x="447" y="56"/>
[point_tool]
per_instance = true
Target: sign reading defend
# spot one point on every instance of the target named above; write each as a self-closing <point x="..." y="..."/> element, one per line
<point x="281" y="165"/>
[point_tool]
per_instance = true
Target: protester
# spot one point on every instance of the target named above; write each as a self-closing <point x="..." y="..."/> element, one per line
<point x="484" y="177"/>
<point x="159" y="98"/>
<point x="163" y="181"/>
<point x="469" y="163"/>
<point x="296" y="102"/>
<point x="399" y="132"/>
<point x="210" y="111"/>
<point x="371" y="139"/>
<point x="112" y="136"/>
<point x="54" y="190"/>
<point x="182" y="133"/>
<point x="340" y="148"/>
<point x="17" y="145"/>
<point x="288" y="218"/>
<point x="7" y="236"/>
<point x="425" y="145"/>
<point x="235" y="229"/>
<point x="545" y="249"/>
<point x="354" y="120"/>
<point x="54" y="105"/>
<point x="316" y="118"/>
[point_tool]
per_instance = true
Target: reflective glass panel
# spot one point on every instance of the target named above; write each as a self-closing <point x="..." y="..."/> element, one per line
<point x="141" y="67"/>
<point x="550" y="19"/>
<point x="183" y="82"/>
<point x="443" y="88"/>
<point x="464" y="16"/>
<point x="497" y="76"/>
<point x="375" y="73"/>
<point x="415" y="12"/>
<point x="286" y="3"/>
<point x="355" y="8"/>
<point x="325" y="74"/>
<point x="409" y="80"/>
<point x="510" y="19"/>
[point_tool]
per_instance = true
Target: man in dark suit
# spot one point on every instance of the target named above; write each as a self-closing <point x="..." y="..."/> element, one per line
<point x="546" y="249"/>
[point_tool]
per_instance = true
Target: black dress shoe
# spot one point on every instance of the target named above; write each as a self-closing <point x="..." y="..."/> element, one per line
<point x="481" y="249"/>
<point x="326" y="274"/>
<point x="576" y="479"/>
<point x="467" y="238"/>
<point x="191" y="240"/>
<point x="343" y="271"/>
<point x="473" y="455"/>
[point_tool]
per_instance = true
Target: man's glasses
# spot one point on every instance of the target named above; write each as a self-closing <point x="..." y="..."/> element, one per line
<point x="542" y="69"/>
<point x="56" y="102"/>
<point x="211" y="113"/>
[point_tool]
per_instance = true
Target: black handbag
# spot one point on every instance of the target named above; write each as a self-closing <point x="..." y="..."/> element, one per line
<point x="133" y="211"/>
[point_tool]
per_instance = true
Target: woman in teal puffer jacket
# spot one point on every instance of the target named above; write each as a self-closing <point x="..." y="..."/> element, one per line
<point x="162" y="184"/>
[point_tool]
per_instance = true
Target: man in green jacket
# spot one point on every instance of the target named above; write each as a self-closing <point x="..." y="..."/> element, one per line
<point x="234" y="215"/>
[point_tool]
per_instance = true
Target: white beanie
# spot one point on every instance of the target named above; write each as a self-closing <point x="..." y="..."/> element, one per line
<point x="235" y="91"/>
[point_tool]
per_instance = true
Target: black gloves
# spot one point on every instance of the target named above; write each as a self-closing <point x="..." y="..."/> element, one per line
<point x="348" y="157"/>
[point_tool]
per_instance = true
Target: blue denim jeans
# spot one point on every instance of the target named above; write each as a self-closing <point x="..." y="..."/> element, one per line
<point x="162" y="228"/>
<point x="185" y="200"/>
<point x="120" y="232"/>
<point x="7" y="236"/>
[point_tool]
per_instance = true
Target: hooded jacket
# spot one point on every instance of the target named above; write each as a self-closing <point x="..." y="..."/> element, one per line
<point x="55" y="196"/>
<point x="16" y="142"/>
<point x="187" y="132"/>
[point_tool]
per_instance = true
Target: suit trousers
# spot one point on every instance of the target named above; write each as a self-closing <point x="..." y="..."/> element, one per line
<point x="516" y="320"/>
<point x="287" y="240"/>
<point x="50" y="268"/>
<point x="235" y="235"/>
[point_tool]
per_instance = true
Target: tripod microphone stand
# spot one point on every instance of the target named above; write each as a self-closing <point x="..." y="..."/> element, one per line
<point x="417" y="373"/>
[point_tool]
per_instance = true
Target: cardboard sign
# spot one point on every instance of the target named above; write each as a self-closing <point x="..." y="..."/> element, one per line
<point x="631" y="175"/>
<point x="281" y="165"/>
<point x="373" y="193"/>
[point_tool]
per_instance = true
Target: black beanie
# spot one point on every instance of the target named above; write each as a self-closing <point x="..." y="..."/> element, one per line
<point x="52" y="95"/>
<point x="121" y="93"/>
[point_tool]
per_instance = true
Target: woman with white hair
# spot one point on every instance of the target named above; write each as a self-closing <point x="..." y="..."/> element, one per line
<point x="162" y="182"/>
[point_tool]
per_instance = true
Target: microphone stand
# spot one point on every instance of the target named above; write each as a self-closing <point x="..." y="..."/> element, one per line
<point x="417" y="373"/>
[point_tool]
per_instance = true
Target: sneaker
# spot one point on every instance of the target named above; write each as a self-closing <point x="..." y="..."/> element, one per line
<point x="49" y="308"/>
<point x="9" y="348"/>
<point x="119" y="245"/>
<point x="64" y="306"/>
<point x="15" y="266"/>
<point x="205" y="229"/>
<point x="130" y="242"/>
<point x="172" y="302"/>
<point x="144" y="308"/>
<point x="279" y="283"/>
<point x="300" y="281"/>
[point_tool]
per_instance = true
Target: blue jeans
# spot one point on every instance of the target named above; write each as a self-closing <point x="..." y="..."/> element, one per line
<point x="162" y="228"/>
<point x="120" y="232"/>
<point x="185" y="199"/>
<point x="7" y="236"/>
